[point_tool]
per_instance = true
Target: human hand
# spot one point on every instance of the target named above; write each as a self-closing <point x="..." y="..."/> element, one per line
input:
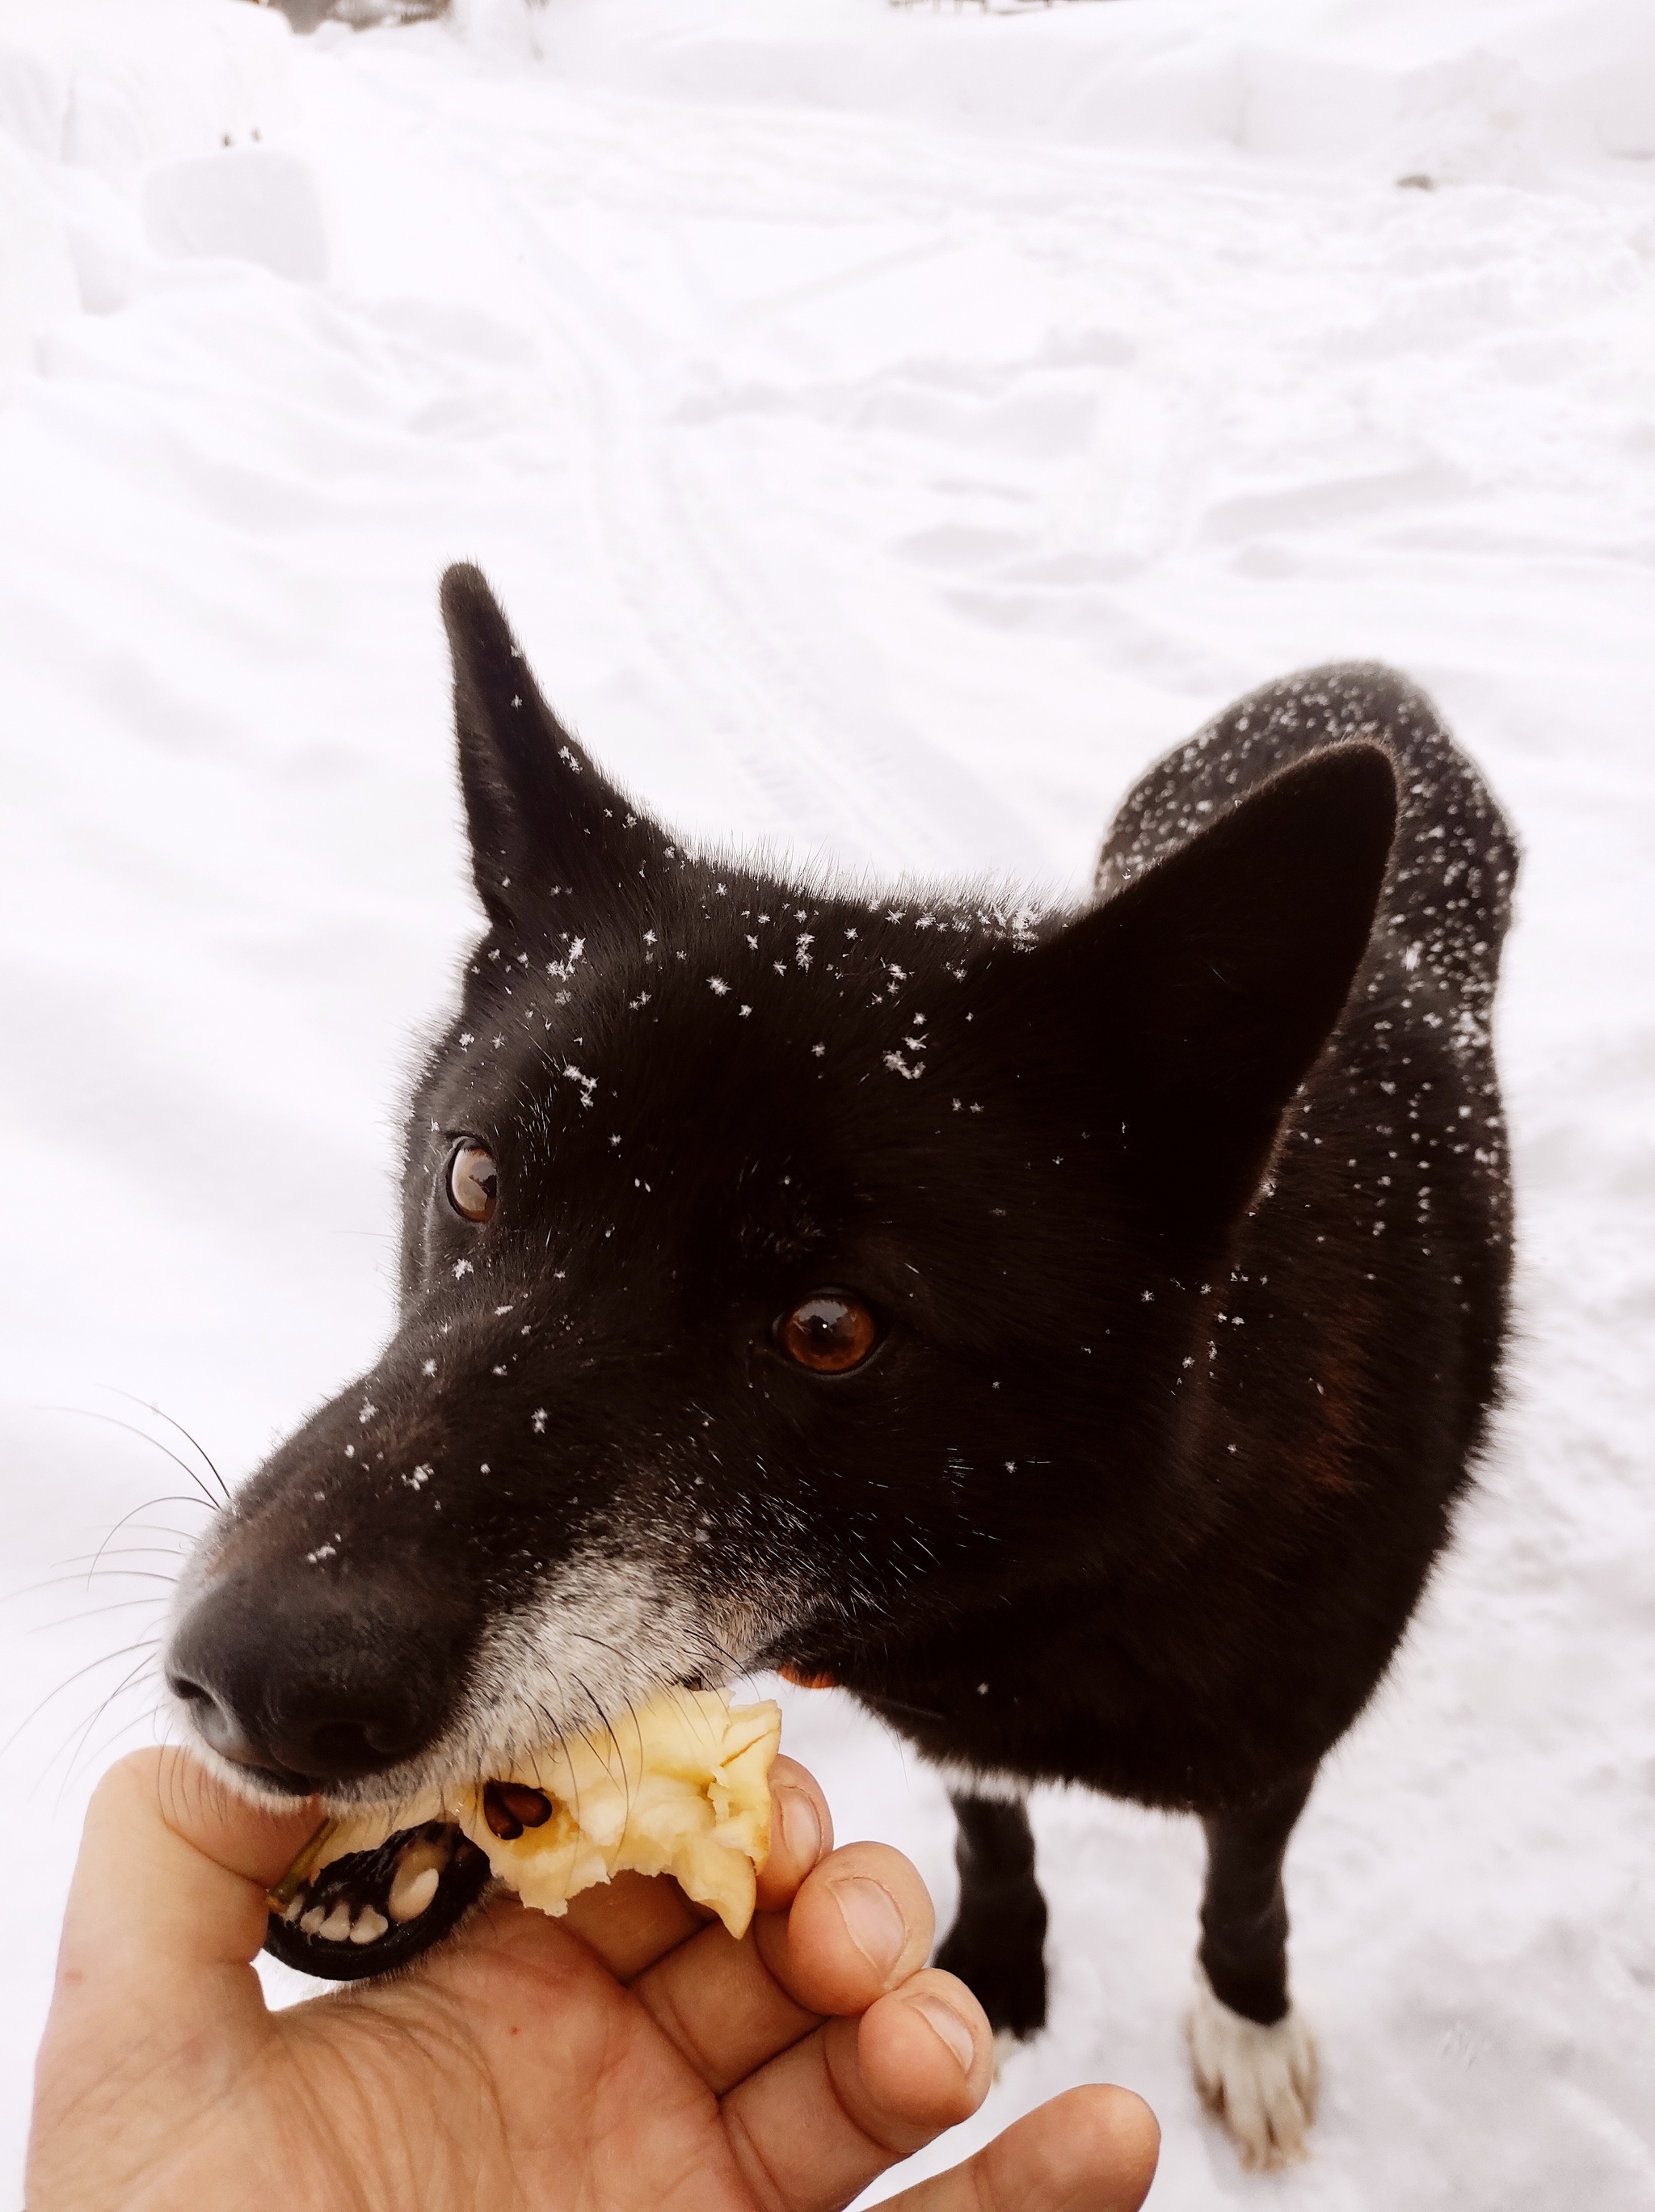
<point x="629" y="2058"/>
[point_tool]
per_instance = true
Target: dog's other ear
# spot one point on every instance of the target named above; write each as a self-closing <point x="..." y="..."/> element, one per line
<point x="1210" y="983"/>
<point x="543" y="821"/>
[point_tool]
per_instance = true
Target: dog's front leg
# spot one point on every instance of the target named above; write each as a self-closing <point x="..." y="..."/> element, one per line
<point x="997" y="1942"/>
<point x="1254" y="2058"/>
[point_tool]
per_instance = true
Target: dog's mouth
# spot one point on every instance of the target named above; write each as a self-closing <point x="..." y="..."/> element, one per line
<point x="681" y="1788"/>
<point x="370" y="1911"/>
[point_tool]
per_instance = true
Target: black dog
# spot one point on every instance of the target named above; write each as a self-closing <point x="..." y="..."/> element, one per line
<point x="1067" y="1332"/>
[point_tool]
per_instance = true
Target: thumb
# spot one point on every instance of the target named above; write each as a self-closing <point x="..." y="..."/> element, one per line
<point x="171" y="1878"/>
<point x="157" y="2010"/>
<point x="173" y="1870"/>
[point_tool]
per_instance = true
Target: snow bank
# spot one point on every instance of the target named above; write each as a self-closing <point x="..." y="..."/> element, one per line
<point x="96" y="95"/>
<point x="1451" y="90"/>
<point x="100" y="85"/>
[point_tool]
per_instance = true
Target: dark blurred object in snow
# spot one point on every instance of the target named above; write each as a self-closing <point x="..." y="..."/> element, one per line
<point x="361" y="14"/>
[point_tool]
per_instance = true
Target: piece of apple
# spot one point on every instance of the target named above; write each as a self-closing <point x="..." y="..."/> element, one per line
<point x="677" y="1785"/>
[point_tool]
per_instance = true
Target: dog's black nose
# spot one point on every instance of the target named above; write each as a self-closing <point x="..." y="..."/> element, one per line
<point x="324" y="1682"/>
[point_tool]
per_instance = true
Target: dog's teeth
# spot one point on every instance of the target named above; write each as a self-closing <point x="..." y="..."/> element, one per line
<point x="311" y="1923"/>
<point x="335" y="1929"/>
<point x="368" y="1926"/>
<point x="419" y="1870"/>
<point x="412" y="1890"/>
<point x="297" y="1907"/>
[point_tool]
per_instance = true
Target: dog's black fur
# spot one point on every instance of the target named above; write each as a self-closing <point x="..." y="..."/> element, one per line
<point x="1185" y="1217"/>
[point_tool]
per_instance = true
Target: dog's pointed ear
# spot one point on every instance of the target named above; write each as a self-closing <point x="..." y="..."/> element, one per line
<point x="549" y="836"/>
<point x="1210" y="984"/>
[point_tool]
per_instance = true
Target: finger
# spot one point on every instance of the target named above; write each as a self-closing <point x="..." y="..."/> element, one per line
<point x="633" y="1920"/>
<point x="1090" y="2150"/>
<point x="171" y="1872"/>
<point x="860" y="1923"/>
<point x="801" y="1833"/>
<point x="819" y="2122"/>
<point x="919" y="2061"/>
<point x="720" y="2008"/>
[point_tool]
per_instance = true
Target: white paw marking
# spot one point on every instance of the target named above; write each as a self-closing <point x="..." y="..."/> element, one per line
<point x="1260" y="2082"/>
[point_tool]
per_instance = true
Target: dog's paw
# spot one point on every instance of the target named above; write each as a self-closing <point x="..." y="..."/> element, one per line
<point x="1260" y="2082"/>
<point x="1000" y="1959"/>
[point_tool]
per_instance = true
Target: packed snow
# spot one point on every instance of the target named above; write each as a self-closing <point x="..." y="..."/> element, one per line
<point x="888" y="428"/>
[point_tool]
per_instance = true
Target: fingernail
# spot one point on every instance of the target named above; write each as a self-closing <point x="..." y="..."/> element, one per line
<point x="801" y="1825"/>
<point x="952" y="2029"/>
<point x="876" y="1925"/>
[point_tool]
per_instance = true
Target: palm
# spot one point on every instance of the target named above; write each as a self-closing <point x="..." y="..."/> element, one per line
<point x="450" y="2071"/>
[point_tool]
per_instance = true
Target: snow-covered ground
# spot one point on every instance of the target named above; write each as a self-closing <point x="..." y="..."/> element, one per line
<point x="888" y="429"/>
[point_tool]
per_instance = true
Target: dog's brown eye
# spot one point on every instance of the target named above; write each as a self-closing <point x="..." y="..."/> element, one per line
<point x="473" y="1182"/>
<point x="829" y="1333"/>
